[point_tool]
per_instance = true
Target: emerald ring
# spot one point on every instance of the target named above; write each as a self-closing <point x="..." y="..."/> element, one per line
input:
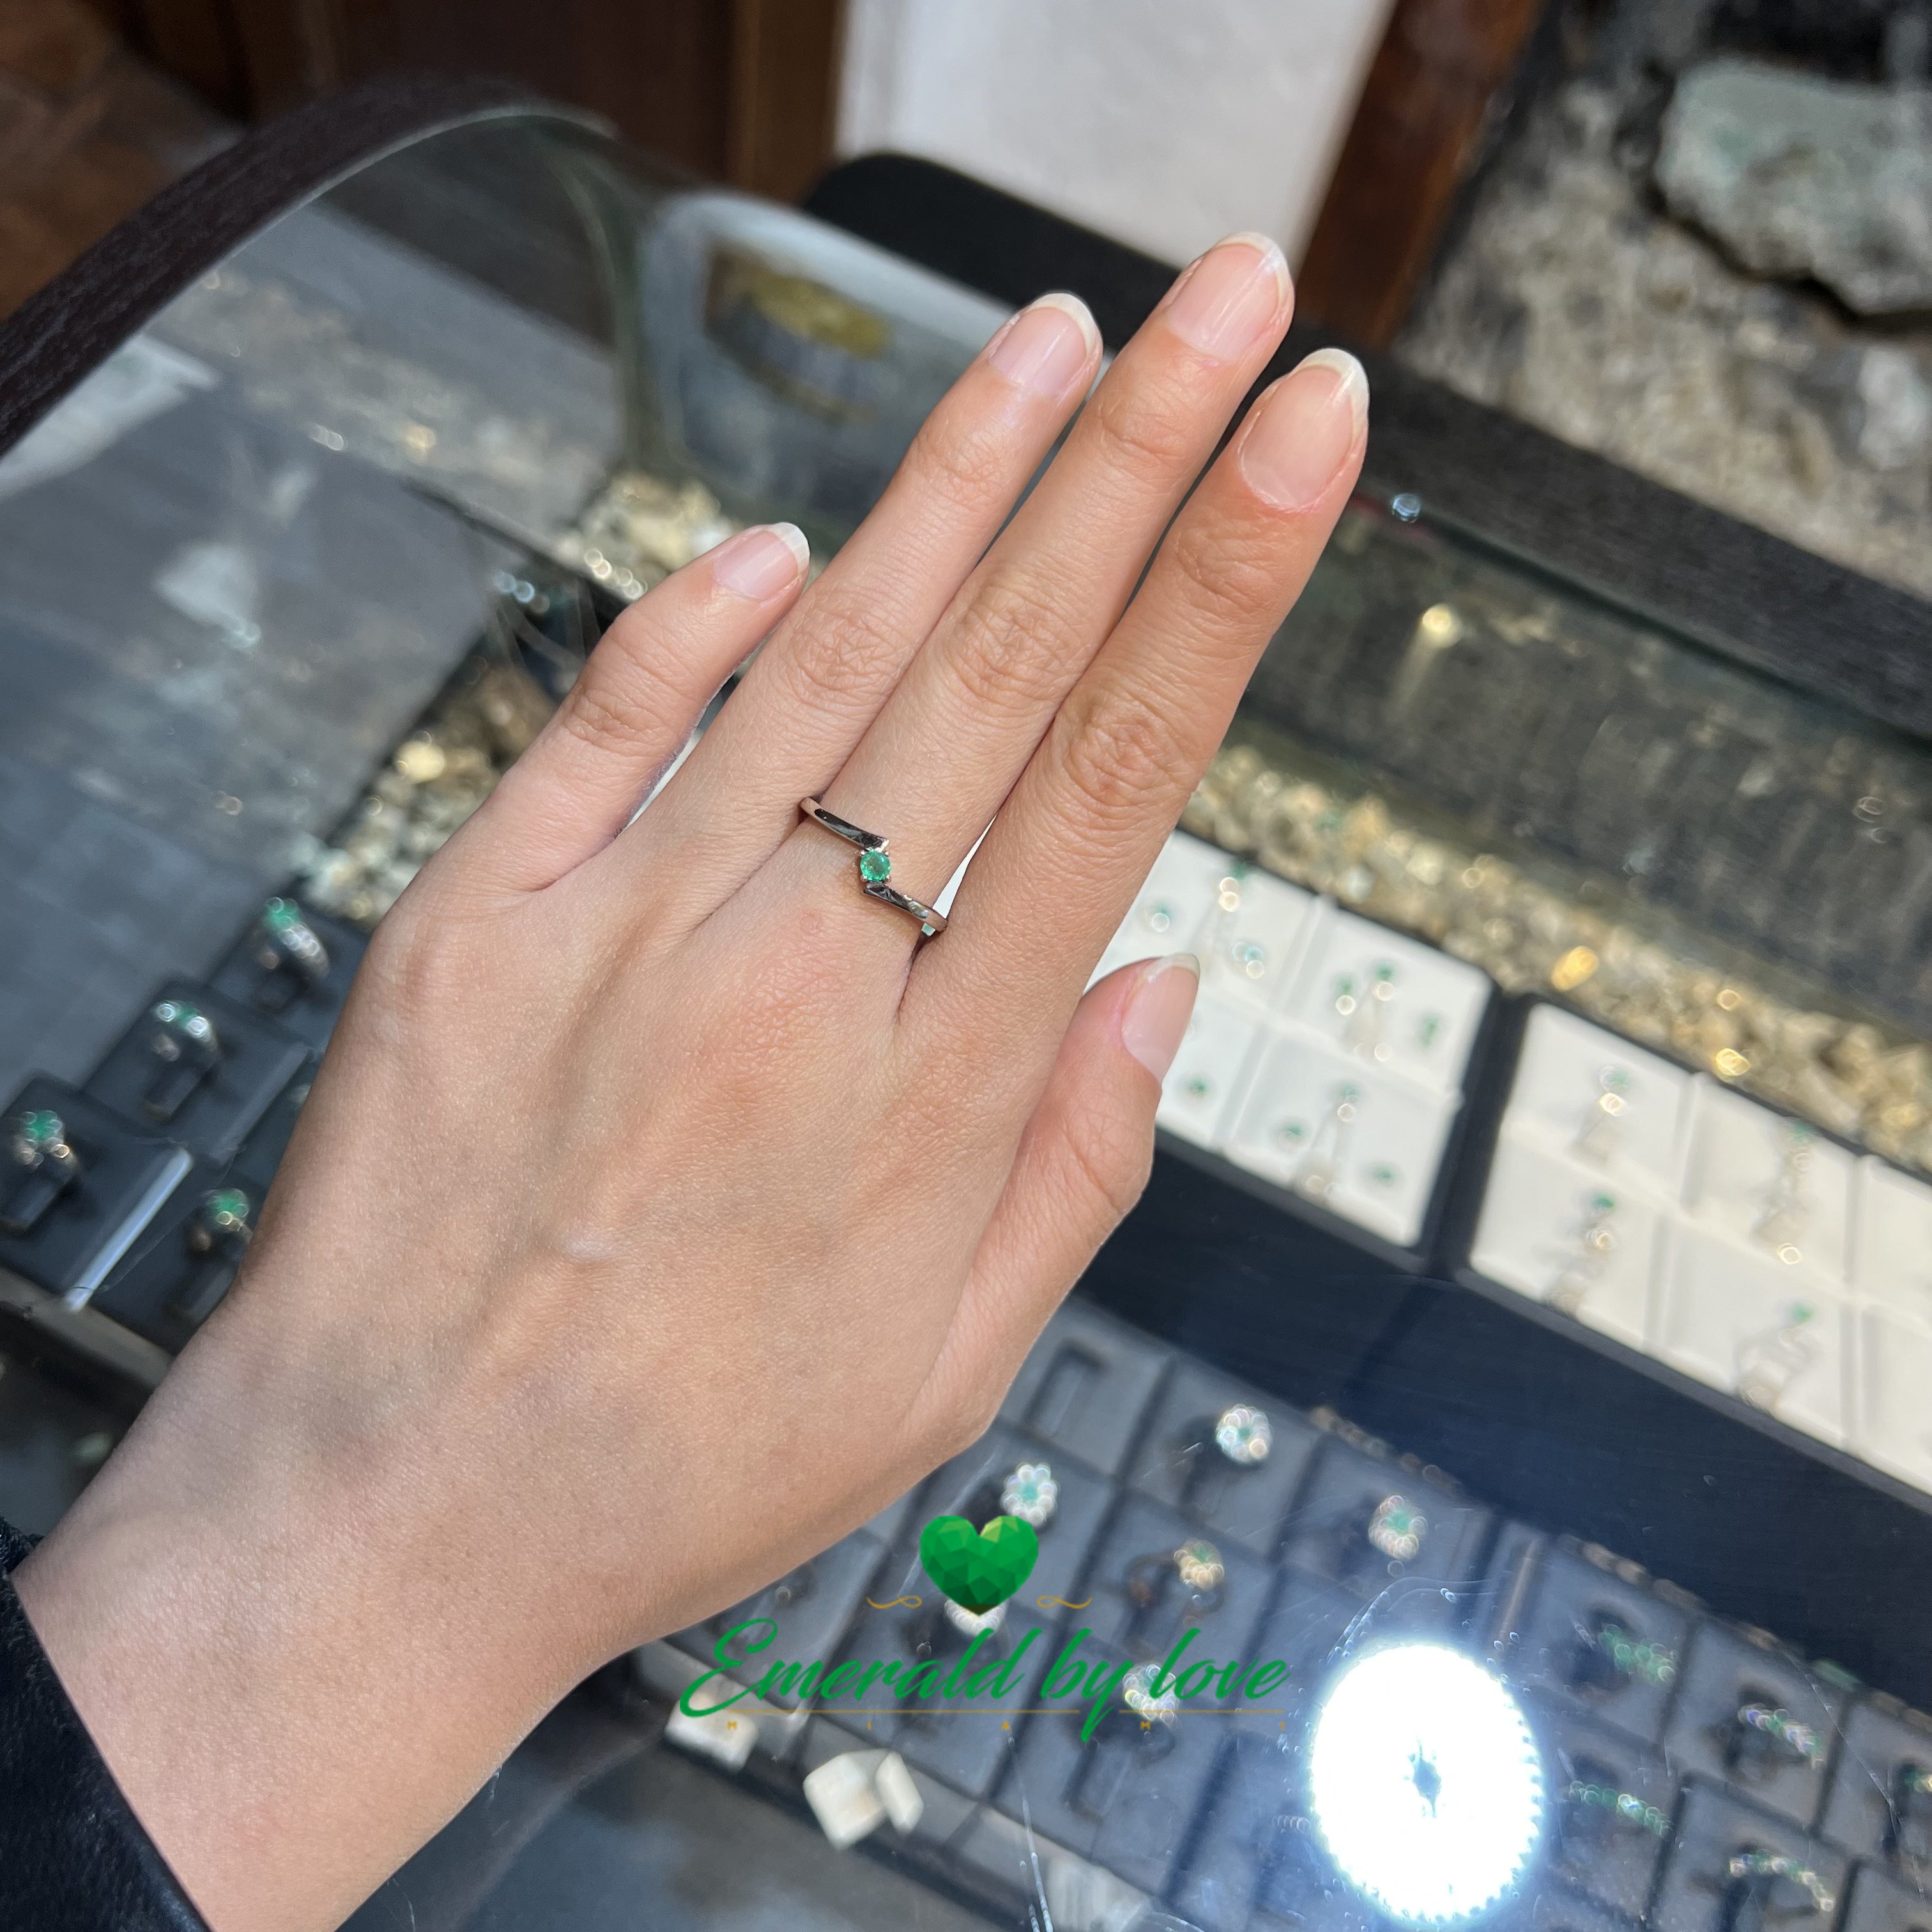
<point x="875" y="866"/>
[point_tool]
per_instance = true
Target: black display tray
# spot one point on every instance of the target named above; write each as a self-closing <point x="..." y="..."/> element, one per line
<point x="1557" y="1432"/>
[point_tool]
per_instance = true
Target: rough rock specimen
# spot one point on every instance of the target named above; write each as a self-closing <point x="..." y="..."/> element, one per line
<point x="1799" y="176"/>
<point x="1571" y="301"/>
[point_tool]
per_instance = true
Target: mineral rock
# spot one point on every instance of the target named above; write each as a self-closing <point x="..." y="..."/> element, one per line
<point x="1798" y="176"/>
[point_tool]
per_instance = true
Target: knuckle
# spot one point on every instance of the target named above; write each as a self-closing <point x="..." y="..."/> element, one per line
<point x="973" y="1409"/>
<point x="1142" y="427"/>
<point x="1117" y="753"/>
<point x="618" y="708"/>
<point x="1108" y="1159"/>
<point x="1222" y="570"/>
<point x="838" y="662"/>
<point x="416" y="962"/>
<point x="965" y="462"/>
<point x="1010" y="647"/>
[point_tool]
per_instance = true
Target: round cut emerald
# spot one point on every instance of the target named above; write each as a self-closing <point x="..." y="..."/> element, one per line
<point x="874" y="867"/>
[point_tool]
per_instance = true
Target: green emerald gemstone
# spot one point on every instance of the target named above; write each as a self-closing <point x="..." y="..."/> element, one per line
<point x="281" y="916"/>
<point x="875" y="866"/>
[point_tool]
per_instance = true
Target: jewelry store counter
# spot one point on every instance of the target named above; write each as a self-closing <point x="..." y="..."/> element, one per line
<point x="1487" y="1479"/>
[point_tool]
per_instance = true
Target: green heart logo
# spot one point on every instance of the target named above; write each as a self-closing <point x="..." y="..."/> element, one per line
<point x="978" y="1568"/>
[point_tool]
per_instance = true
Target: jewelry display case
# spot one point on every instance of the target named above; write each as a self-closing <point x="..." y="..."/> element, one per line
<point x="1523" y="1339"/>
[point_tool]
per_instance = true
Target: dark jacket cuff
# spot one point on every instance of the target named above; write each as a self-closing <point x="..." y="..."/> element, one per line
<point x="72" y="1855"/>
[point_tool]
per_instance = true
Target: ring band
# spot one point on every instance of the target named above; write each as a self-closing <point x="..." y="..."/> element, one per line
<point x="875" y="866"/>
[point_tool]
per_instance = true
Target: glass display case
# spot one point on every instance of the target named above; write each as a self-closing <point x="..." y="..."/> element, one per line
<point x="1513" y="1382"/>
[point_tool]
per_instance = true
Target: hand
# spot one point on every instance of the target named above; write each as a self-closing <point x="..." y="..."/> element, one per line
<point x="664" y="1208"/>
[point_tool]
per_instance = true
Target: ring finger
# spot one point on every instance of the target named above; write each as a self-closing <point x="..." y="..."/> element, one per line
<point x="824" y="674"/>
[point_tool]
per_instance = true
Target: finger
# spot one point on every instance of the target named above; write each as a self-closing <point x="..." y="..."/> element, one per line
<point x="1083" y="1160"/>
<point x="817" y="684"/>
<point x="633" y="708"/>
<point x="1072" y="843"/>
<point x="951" y="740"/>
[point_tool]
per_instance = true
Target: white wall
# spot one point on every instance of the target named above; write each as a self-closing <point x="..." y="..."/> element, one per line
<point x="1165" y="123"/>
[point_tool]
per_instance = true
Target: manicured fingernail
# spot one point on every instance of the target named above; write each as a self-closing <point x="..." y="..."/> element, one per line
<point x="1047" y="345"/>
<point x="760" y="562"/>
<point x="1232" y="296"/>
<point x="1305" y="429"/>
<point x="1158" y="1009"/>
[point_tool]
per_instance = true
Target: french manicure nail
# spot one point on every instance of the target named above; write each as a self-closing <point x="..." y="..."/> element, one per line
<point x="1234" y="294"/>
<point x="1305" y="429"/>
<point x="1047" y="345"/>
<point x="1158" y="1010"/>
<point x="760" y="562"/>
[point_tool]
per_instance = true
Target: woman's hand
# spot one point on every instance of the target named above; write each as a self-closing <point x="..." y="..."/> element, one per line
<point x="664" y="1208"/>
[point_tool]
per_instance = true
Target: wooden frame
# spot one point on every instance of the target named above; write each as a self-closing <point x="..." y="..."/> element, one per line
<point x="744" y="91"/>
<point x="1431" y="98"/>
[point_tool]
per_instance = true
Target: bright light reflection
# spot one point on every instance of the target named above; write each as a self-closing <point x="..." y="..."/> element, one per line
<point x="1425" y="1782"/>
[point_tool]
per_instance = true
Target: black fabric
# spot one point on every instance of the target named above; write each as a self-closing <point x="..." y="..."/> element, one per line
<point x="72" y="1857"/>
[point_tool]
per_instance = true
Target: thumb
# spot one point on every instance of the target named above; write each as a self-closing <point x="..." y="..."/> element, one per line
<point x="1082" y="1162"/>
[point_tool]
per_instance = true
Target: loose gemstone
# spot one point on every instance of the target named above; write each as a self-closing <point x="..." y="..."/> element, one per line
<point x="875" y="867"/>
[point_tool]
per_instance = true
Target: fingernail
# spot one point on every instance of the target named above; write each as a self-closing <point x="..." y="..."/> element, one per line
<point x="1234" y="294"/>
<point x="1158" y="1010"/>
<point x="1305" y="429"/>
<point x="760" y="562"/>
<point x="1047" y="345"/>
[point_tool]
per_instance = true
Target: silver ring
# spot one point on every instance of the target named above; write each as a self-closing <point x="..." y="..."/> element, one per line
<point x="1031" y="1494"/>
<point x="178" y="1022"/>
<point x="39" y="1140"/>
<point x="875" y="866"/>
<point x="287" y="939"/>
<point x="1244" y="1434"/>
<point x="1397" y="1528"/>
<point x="1138" y="1694"/>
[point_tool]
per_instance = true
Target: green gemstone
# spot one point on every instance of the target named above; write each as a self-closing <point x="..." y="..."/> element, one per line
<point x="875" y="867"/>
<point x="41" y="1128"/>
<point x="281" y="916"/>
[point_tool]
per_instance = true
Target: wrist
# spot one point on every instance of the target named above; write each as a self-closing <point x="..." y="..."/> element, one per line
<point x="293" y="1678"/>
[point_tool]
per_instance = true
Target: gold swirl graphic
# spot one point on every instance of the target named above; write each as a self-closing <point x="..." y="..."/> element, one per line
<point x="910" y="1603"/>
<point x="1043" y="1602"/>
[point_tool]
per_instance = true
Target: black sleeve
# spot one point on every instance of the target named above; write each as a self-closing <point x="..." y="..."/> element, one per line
<point x="73" y="1856"/>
